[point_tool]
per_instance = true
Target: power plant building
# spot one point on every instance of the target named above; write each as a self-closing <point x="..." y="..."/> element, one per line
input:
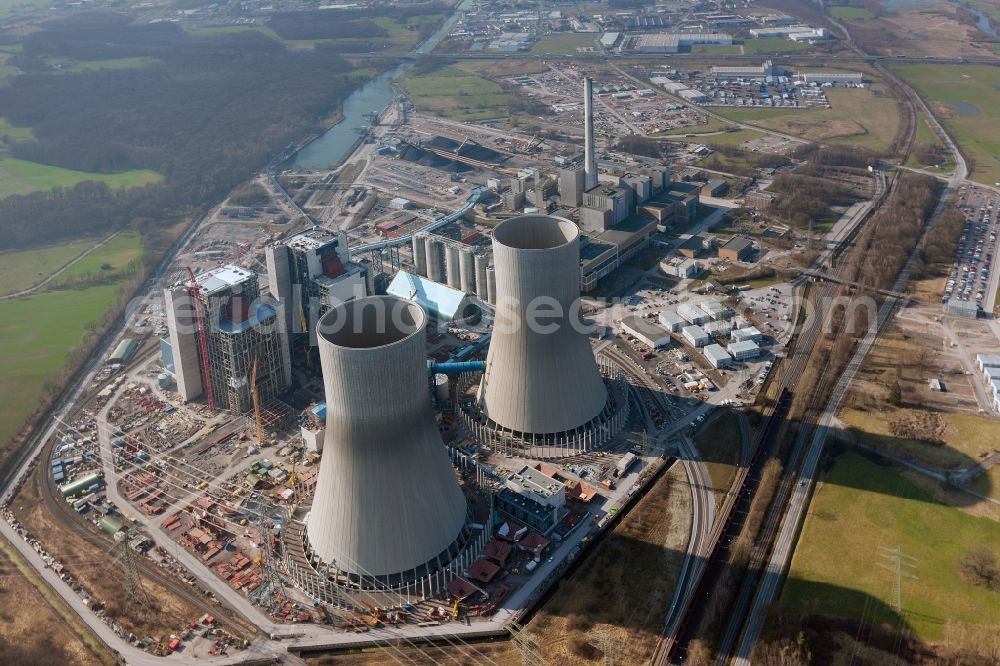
<point x="239" y="331"/>
<point x="442" y="302"/>
<point x="388" y="512"/>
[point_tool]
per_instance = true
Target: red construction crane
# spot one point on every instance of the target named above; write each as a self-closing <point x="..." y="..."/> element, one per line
<point x="195" y="291"/>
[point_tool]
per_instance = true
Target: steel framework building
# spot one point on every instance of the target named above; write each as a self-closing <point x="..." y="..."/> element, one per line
<point x="388" y="511"/>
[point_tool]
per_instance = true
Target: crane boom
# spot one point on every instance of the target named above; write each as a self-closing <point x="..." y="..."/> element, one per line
<point x="206" y="373"/>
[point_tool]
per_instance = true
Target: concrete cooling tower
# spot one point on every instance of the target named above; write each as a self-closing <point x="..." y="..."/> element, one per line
<point x="388" y="510"/>
<point x="541" y="383"/>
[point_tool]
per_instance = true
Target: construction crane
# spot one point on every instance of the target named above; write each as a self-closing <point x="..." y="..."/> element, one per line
<point x="206" y="373"/>
<point x="256" y="403"/>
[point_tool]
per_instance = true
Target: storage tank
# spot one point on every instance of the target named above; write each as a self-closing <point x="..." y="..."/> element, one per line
<point x="434" y="249"/>
<point x="420" y="254"/>
<point x="163" y="380"/>
<point x="482" y="262"/>
<point x="467" y="268"/>
<point x="453" y="269"/>
<point x="388" y="509"/>
<point x="539" y="379"/>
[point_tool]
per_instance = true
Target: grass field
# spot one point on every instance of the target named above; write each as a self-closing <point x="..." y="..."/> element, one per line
<point x="21" y="270"/>
<point x="456" y="92"/>
<point x="719" y="446"/>
<point x="854" y="13"/>
<point x="36" y="332"/>
<point x="563" y="43"/>
<point x="68" y="66"/>
<point x="717" y="49"/>
<point x="926" y="136"/>
<point x="21" y="177"/>
<point x="10" y="132"/>
<point x="117" y="253"/>
<point x="767" y="45"/>
<point x="860" y="506"/>
<point x="856" y="117"/>
<point x="966" y="98"/>
<point x="965" y="437"/>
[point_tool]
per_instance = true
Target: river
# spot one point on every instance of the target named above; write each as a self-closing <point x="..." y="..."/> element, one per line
<point x="334" y="145"/>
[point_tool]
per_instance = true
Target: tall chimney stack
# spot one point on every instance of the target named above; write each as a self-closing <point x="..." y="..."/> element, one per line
<point x="590" y="160"/>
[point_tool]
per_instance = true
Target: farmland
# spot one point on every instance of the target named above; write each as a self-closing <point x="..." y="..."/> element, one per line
<point x="22" y="177"/>
<point x="38" y="331"/>
<point x="21" y="270"/>
<point x="860" y="506"/>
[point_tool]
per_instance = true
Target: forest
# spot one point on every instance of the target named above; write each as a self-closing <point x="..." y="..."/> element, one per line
<point x="207" y="115"/>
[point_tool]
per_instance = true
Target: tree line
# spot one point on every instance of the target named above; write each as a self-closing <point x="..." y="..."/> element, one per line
<point x="207" y="116"/>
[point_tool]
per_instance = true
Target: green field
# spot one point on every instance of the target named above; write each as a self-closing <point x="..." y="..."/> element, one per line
<point x="69" y="66"/>
<point x="856" y="117"/>
<point x="9" y="132"/>
<point x="860" y="506"/>
<point x="565" y="43"/>
<point x="855" y="13"/>
<point x="766" y="45"/>
<point x="717" y="49"/>
<point x="117" y="253"/>
<point x="36" y="332"/>
<point x="456" y="92"/>
<point x="966" y="437"/>
<point x="966" y="99"/>
<point x="22" y="270"/>
<point x="21" y="177"/>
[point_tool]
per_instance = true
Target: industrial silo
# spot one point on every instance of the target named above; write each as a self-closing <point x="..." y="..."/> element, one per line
<point x="452" y="262"/>
<point x="467" y="269"/>
<point x="482" y="262"/>
<point x="419" y="254"/>
<point x="435" y="259"/>
<point x="541" y="379"/>
<point x="388" y="510"/>
<point x="491" y="285"/>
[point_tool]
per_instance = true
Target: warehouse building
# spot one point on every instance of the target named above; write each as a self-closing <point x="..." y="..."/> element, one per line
<point x="714" y="309"/>
<point x="718" y="329"/>
<point x="672" y="321"/>
<point x="748" y="333"/>
<point x="737" y="249"/>
<point x="646" y="332"/>
<point x="673" y="42"/>
<point x="822" y="77"/>
<point x="696" y="336"/>
<point x="692" y="314"/>
<point x="717" y="356"/>
<point x="761" y="71"/>
<point x="744" y="350"/>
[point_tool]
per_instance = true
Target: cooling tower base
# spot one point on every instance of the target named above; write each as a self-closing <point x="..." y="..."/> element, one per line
<point x="588" y="437"/>
<point x="345" y="591"/>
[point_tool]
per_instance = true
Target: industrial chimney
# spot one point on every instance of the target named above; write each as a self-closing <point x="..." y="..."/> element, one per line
<point x="540" y="381"/>
<point x="589" y="158"/>
<point x="388" y="508"/>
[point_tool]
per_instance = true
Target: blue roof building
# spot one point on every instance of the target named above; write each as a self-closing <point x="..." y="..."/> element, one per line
<point x="441" y="302"/>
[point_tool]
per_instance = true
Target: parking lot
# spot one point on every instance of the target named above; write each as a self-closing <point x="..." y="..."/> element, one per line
<point x="970" y="278"/>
